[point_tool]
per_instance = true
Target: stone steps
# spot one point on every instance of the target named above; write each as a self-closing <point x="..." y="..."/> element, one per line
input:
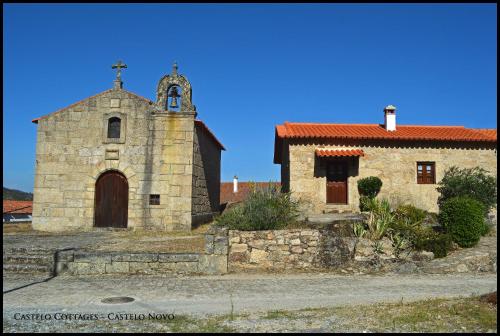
<point x="17" y="259"/>
<point x="28" y="260"/>
<point x="27" y="268"/>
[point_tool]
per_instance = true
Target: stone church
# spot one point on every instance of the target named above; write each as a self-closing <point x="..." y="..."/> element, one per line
<point x="119" y="160"/>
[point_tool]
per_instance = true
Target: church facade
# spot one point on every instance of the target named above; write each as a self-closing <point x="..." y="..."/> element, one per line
<point x="120" y="160"/>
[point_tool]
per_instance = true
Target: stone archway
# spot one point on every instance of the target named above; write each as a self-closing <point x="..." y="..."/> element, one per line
<point x="111" y="200"/>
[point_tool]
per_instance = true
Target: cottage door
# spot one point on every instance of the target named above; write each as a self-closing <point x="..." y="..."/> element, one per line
<point x="111" y="200"/>
<point x="336" y="182"/>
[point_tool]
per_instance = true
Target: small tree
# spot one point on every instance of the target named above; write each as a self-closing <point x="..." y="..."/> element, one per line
<point x="475" y="183"/>
<point x="368" y="188"/>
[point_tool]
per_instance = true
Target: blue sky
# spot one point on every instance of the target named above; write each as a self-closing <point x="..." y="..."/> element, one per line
<point x="252" y="66"/>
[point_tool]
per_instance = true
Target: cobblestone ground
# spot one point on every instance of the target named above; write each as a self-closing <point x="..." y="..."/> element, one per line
<point x="199" y="296"/>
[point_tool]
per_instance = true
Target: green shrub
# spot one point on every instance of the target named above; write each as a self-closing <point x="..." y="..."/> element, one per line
<point x="264" y="209"/>
<point x="463" y="218"/>
<point x="364" y="202"/>
<point x="409" y="214"/>
<point x="380" y="218"/>
<point x="369" y="186"/>
<point x="475" y="183"/>
<point x="438" y="243"/>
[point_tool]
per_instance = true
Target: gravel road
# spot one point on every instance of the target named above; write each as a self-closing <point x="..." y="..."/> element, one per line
<point x="213" y="294"/>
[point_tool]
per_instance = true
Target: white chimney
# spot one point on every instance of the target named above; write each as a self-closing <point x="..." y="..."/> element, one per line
<point x="235" y="184"/>
<point x="390" y="118"/>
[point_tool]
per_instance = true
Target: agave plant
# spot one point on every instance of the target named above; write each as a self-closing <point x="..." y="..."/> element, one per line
<point x="380" y="218"/>
<point x="359" y="230"/>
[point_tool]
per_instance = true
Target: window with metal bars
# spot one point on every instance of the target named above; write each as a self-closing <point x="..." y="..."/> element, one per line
<point x="154" y="199"/>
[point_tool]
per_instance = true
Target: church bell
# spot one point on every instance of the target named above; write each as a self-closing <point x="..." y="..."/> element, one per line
<point x="173" y="103"/>
<point x="173" y="94"/>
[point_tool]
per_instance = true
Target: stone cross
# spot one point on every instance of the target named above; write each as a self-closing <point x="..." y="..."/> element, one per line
<point x="119" y="66"/>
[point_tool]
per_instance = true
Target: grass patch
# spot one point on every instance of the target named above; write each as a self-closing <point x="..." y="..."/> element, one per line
<point x="187" y="324"/>
<point x="435" y="315"/>
<point x="278" y="314"/>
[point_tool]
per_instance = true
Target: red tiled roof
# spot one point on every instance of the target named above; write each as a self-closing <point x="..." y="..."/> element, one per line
<point x="19" y="207"/>
<point x="227" y="195"/>
<point x="339" y="152"/>
<point x="375" y="131"/>
<point x="488" y="132"/>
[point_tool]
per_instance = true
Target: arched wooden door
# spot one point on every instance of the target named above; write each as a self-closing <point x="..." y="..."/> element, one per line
<point x="111" y="200"/>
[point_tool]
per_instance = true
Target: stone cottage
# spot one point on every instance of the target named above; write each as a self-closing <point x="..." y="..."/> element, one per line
<point x="321" y="163"/>
<point x="120" y="160"/>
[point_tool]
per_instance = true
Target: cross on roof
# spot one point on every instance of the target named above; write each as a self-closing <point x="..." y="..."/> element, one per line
<point x="119" y="65"/>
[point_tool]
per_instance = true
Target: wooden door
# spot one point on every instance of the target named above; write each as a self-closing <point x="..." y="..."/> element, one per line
<point x="111" y="200"/>
<point x="336" y="182"/>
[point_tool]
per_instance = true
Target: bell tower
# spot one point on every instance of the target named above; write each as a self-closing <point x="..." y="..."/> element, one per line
<point x="174" y="93"/>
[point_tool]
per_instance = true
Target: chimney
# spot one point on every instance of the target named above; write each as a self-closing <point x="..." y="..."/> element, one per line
<point x="235" y="184"/>
<point x="390" y="118"/>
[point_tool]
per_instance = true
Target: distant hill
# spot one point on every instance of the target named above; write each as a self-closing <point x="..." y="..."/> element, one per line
<point x="17" y="195"/>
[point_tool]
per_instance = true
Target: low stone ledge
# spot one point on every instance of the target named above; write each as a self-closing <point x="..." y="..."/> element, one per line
<point x="178" y="257"/>
<point x="142" y="257"/>
<point x="91" y="257"/>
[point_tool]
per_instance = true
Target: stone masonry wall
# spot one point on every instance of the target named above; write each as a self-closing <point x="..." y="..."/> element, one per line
<point x="206" y="177"/>
<point x="213" y="261"/>
<point x="278" y="250"/>
<point x="154" y="153"/>
<point x="394" y="164"/>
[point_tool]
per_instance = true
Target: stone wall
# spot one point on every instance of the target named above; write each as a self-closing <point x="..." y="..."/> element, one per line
<point x="277" y="250"/>
<point x="206" y="177"/>
<point x="213" y="261"/>
<point x="155" y="154"/>
<point x="394" y="163"/>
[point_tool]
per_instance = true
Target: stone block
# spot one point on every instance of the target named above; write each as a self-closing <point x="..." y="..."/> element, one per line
<point x="238" y="248"/>
<point x="84" y="268"/>
<point x="137" y="267"/>
<point x="178" y="257"/>
<point x="117" y="267"/>
<point x="212" y="264"/>
<point x="92" y="257"/>
<point x="140" y="257"/>
<point x="258" y="256"/>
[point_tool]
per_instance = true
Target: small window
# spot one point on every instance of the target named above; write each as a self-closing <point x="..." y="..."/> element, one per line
<point x="426" y="173"/>
<point x="154" y="199"/>
<point x="114" y="128"/>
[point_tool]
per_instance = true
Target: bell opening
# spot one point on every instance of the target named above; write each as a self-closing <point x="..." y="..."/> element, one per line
<point x="174" y="98"/>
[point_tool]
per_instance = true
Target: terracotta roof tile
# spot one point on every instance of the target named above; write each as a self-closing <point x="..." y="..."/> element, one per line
<point x="19" y="207"/>
<point x="227" y="195"/>
<point x="339" y="152"/>
<point x="375" y="131"/>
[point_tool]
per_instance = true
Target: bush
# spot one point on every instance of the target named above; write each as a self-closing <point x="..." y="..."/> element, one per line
<point x="428" y="240"/>
<point x="474" y="182"/>
<point x="463" y="218"/>
<point x="264" y="209"/>
<point x="364" y="203"/>
<point x="409" y="214"/>
<point x="369" y="186"/>
<point x="380" y="218"/>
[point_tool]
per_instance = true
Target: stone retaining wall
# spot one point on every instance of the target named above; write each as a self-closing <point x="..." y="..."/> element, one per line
<point x="276" y="250"/>
<point x="213" y="261"/>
